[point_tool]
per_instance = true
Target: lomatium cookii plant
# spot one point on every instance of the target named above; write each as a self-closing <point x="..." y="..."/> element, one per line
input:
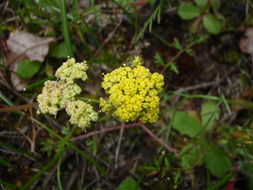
<point x="133" y="93"/>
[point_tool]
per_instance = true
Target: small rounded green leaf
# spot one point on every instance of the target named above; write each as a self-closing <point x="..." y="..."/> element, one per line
<point x="201" y="3"/>
<point x="60" y="51"/>
<point x="188" y="11"/>
<point x="27" y="68"/>
<point x="212" y="24"/>
<point x="129" y="183"/>
<point x="186" y="124"/>
<point x="217" y="161"/>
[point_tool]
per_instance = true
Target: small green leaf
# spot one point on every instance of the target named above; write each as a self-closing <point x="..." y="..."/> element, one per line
<point x="215" y="4"/>
<point x="158" y="59"/>
<point x="210" y="112"/>
<point x="201" y="3"/>
<point x="60" y="51"/>
<point x="217" y="161"/>
<point x="176" y="44"/>
<point x="189" y="156"/>
<point x="186" y="124"/>
<point x="188" y="11"/>
<point x="212" y="24"/>
<point x="172" y="66"/>
<point x="129" y="183"/>
<point x="27" y="68"/>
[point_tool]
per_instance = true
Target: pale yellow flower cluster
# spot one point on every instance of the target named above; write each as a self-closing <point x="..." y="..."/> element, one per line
<point x="133" y="93"/>
<point x="55" y="95"/>
<point x="71" y="70"/>
<point x="77" y="110"/>
<point x="59" y="95"/>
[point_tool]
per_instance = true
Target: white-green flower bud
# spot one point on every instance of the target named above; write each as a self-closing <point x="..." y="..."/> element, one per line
<point x="55" y="96"/>
<point x="60" y="95"/>
<point x="81" y="113"/>
<point x="71" y="70"/>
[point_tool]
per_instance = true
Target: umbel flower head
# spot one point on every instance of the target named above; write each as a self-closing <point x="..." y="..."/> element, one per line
<point x="71" y="70"/>
<point x="80" y="113"/>
<point x="59" y="95"/>
<point x="133" y="93"/>
<point x="55" y="95"/>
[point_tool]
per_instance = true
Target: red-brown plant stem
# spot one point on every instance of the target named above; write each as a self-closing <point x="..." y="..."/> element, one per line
<point x="20" y="107"/>
<point x="157" y="139"/>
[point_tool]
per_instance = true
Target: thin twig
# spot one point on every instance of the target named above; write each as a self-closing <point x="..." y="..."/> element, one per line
<point x="13" y="90"/>
<point x="194" y="87"/>
<point x="109" y="37"/>
<point x="160" y="141"/>
<point x="118" y="147"/>
<point x="20" y="107"/>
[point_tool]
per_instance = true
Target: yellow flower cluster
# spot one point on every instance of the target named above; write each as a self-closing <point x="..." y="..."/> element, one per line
<point x="133" y="93"/>
<point x="58" y="95"/>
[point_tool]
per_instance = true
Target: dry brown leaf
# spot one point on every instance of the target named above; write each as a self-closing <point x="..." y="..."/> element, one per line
<point x="246" y="42"/>
<point x="34" y="47"/>
<point x="24" y="45"/>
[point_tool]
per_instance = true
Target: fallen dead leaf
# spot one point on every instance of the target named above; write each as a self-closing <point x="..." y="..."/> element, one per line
<point x="34" y="47"/>
<point x="25" y="45"/>
<point x="246" y="42"/>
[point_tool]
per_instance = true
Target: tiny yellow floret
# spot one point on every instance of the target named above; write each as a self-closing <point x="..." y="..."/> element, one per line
<point x="133" y="93"/>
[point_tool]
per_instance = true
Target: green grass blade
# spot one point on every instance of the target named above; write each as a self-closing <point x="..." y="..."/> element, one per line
<point x="220" y="183"/>
<point x="5" y="99"/>
<point x="59" y="174"/>
<point x="71" y="145"/>
<point x="65" y="28"/>
<point x="42" y="171"/>
<point x="10" y="185"/>
<point x="38" y="83"/>
<point x="242" y="103"/>
<point x="6" y="163"/>
<point x="225" y="102"/>
<point x="14" y="149"/>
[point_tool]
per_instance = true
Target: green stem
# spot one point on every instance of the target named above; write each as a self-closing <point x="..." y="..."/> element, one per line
<point x="70" y="145"/>
<point x="65" y="28"/>
<point x="41" y="82"/>
<point x="58" y="174"/>
<point x="5" y="99"/>
<point x="242" y="103"/>
<point x="42" y="171"/>
<point x="7" y="184"/>
<point x="93" y="100"/>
